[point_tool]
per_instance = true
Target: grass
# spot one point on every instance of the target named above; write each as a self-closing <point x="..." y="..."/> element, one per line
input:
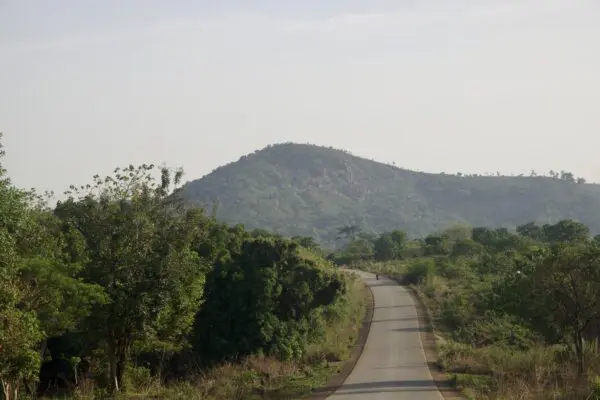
<point x="260" y="377"/>
<point x="540" y="373"/>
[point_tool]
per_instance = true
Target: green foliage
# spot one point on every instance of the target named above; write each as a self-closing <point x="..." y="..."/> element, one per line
<point x="306" y="190"/>
<point x="519" y="307"/>
<point x="497" y="329"/>
<point x="263" y="300"/>
<point x="38" y="292"/>
<point x="116" y="275"/>
<point x="389" y="246"/>
<point x="419" y="270"/>
<point x="126" y="280"/>
<point x="138" y="248"/>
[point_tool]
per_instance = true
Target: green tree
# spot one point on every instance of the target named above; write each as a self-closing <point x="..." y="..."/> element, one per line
<point x="348" y="232"/>
<point x="437" y="244"/>
<point x="566" y="231"/>
<point x="499" y="239"/>
<point x="306" y="241"/>
<point x="385" y="248"/>
<point x="138" y="242"/>
<point x="262" y="300"/>
<point x="20" y="330"/>
<point x="389" y="246"/>
<point x="358" y="249"/>
<point x="556" y="291"/>
<point x="40" y="294"/>
<point x="531" y="230"/>
<point x="569" y="282"/>
<point x="466" y="247"/>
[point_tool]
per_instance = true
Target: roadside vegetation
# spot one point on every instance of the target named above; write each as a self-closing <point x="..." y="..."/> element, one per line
<point x="518" y="312"/>
<point x="120" y="290"/>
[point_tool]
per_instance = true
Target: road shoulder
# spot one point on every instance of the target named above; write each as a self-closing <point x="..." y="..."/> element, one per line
<point x="337" y="380"/>
<point x="444" y="385"/>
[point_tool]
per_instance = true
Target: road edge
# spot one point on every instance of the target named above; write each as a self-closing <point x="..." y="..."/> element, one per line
<point x="430" y="345"/>
<point x="337" y="380"/>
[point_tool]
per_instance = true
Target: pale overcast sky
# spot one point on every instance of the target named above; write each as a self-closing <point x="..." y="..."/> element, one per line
<point x="433" y="85"/>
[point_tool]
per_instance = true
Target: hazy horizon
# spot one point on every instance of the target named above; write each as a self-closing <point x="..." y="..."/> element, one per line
<point x="476" y="87"/>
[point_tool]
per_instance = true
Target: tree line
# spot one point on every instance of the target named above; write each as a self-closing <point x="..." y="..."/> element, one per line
<point x="122" y="272"/>
<point x="497" y="293"/>
<point x="563" y="176"/>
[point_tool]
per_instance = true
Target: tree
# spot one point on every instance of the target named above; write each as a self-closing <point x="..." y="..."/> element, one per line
<point x="385" y="248"/>
<point x="466" y="247"/>
<point x="39" y="292"/>
<point x="60" y="300"/>
<point x="389" y="246"/>
<point x="566" y="231"/>
<point x="306" y="241"/>
<point x="262" y="300"/>
<point x="348" y="232"/>
<point x="19" y="331"/>
<point x="531" y="230"/>
<point x="437" y="244"/>
<point x="499" y="239"/>
<point x="458" y="232"/>
<point x="138" y="242"/>
<point x="567" y="176"/>
<point x="483" y="235"/>
<point x="358" y="249"/>
<point x="561" y="286"/>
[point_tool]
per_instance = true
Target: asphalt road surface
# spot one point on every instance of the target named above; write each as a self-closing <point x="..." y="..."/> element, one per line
<point x="393" y="363"/>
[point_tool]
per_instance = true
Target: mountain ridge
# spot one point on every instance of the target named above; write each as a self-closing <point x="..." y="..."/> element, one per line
<point x="310" y="190"/>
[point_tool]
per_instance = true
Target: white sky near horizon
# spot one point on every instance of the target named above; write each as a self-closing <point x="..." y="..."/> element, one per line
<point x="434" y="85"/>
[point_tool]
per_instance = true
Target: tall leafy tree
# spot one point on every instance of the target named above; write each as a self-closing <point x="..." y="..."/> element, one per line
<point x="566" y="231"/>
<point x="20" y="331"/>
<point x="40" y="294"/>
<point x="261" y="300"/>
<point x="138" y="240"/>
<point x="556" y="291"/>
<point x="531" y="230"/>
<point x="389" y="246"/>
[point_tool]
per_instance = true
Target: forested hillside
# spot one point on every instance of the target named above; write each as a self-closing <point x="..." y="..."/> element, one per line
<point x="307" y="190"/>
<point x="517" y="314"/>
<point x="120" y="288"/>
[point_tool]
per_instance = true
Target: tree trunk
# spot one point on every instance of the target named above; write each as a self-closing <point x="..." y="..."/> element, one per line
<point x="112" y="357"/>
<point x="119" y="352"/>
<point x="6" y="389"/>
<point x="121" y="360"/>
<point x="43" y="348"/>
<point x="10" y="390"/>
<point x="161" y="365"/>
<point x="579" y="354"/>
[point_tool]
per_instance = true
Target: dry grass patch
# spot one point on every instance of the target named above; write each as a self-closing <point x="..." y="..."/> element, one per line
<point x="495" y="372"/>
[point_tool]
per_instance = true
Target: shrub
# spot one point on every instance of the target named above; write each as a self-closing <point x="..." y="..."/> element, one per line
<point x="419" y="270"/>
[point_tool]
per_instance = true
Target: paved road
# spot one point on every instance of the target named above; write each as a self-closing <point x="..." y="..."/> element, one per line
<point x="393" y="363"/>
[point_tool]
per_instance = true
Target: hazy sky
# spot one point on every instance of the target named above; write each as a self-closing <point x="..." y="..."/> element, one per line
<point x="433" y="85"/>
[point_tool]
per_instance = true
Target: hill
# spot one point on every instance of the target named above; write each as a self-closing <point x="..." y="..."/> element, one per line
<point x="298" y="189"/>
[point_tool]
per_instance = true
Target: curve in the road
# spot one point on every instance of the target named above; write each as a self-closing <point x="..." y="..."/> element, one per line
<point x="393" y="363"/>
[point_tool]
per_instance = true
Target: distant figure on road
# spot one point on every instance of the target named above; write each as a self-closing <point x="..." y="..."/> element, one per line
<point x="377" y="276"/>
